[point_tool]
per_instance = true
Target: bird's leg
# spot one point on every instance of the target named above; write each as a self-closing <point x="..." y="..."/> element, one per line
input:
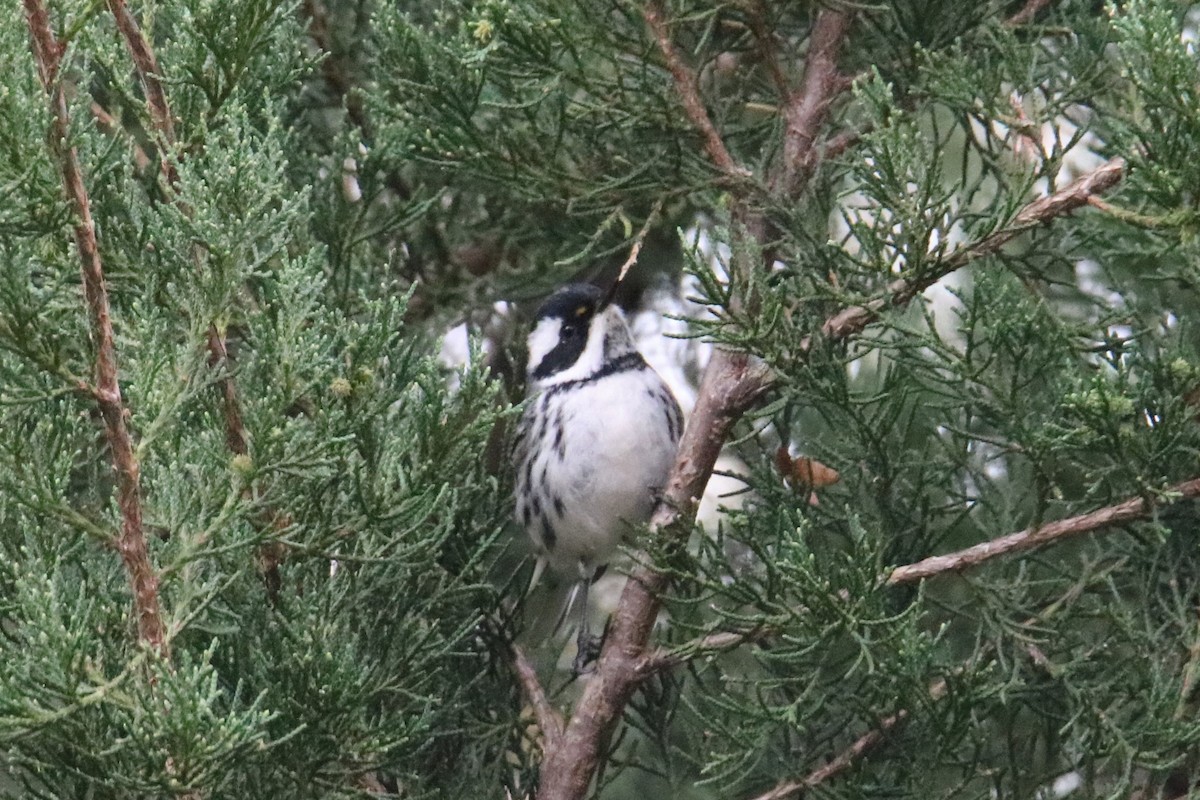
<point x="587" y="646"/>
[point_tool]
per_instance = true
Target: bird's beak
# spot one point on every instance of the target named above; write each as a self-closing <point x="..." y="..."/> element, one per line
<point x="606" y="301"/>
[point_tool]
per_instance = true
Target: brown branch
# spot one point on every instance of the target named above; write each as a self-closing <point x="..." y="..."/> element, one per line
<point x="547" y="717"/>
<point x="756" y="17"/>
<point x="146" y="65"/>
<point x="150" y="76"/>
<point x="1134" y="508"/>
<point x="1027" y="13"/>
<point x="685" y="84"/>
<point x="848" y="757"/>
<point x="333" y="72"/>
<point x="839" y="764"/>
<point x="131" y="542"/>
<point x="873" y="738"/>
<point x="231" y="405"/>
<point x="664" y="658"/>
<point x="853" y="319"/>
<point x="109" y="124"/>
<point x="807" y="110"/>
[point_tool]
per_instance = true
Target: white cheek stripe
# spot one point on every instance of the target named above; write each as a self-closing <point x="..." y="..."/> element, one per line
<point x="542" y="340"/>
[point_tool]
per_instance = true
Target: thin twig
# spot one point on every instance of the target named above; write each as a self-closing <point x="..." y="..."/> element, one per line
<point x="547" y="717"/>
<point x="1027" y="13"/>
<point x="873" y="738"/>
<point x="768" y="50"/>
<point x="850" y="756"/>
<point x="334" y="72"/>
<point x="151" y="79"/>
<point x="109" y="124"/>
<point x="146" y="66"/>
<point x="639" y="239"/>
<point x="1134" y="508"/>
<point x="685" y="84"/>
<point x="839" y="764"/>
<point x="131" y="542"/>
<point x="852" y="320"/>
<point x="664" y="658"/>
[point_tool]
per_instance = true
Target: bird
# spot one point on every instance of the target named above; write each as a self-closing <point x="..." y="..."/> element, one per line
<point x="594" y="445"/>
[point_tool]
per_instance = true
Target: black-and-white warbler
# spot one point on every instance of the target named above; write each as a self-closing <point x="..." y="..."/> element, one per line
<point x="595" y="443"/>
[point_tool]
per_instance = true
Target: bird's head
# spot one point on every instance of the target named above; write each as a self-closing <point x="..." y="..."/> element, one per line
<point x="576" y="332"/>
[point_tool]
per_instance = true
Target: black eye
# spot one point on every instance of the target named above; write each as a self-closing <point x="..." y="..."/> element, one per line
<point x="570" y="331"/>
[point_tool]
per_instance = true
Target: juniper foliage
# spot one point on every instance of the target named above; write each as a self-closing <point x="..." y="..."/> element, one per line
<point x="355" y="179"/>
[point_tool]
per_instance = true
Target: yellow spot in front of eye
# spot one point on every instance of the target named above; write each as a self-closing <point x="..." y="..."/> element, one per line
<point x="581" y="311"/>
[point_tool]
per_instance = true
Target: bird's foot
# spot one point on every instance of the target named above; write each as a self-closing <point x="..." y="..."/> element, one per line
<point x="586" y="653"/>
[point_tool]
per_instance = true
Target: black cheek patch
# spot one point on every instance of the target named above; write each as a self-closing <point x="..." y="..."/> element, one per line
<point x="563" y="355"/>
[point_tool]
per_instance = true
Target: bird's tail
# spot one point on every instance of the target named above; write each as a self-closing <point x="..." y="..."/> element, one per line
<point x="545" y="597"/>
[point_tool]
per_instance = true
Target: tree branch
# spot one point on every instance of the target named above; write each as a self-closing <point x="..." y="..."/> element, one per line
<point x="664" y="658"/>
<point x="1127" y="511"/>
<point x="806" y="111"/>
<point x="1132" y="509"/>
<point x="150" y="76"/>
<point x="839" y="764"/>
<point x="146" y="65"/>
<point x="547" y="717"/>
<point x="848" y="757"/>
<point x="731" y="383"/>
<point x="685" y="84"/>
<point x="131" y="542"/>
<point x="852" y="320"/>
<point x="1027" y="13"/>
<point x="756" y="17"/>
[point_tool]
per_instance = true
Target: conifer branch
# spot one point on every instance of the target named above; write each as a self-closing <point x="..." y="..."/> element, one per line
<point x="547" y="717"/>
<point x="756" y="17"/>
<point x="1027" y="13"/>
<point x="148" y="73"/>
<point x="1134" y="508"/>
<point x="664" y="658"/>
<point x="839" y="763"/>
<point x="731" y="383"/>
<point x="854" y="319"/>
<point x="807" y="110"/>
<point x="684" y="78"/>
<point x="146" y="65"/>
<point x="131" y="542"/>
<point x="850" y="756"/>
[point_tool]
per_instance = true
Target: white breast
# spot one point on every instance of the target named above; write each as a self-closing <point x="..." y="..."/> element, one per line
<point x="581" y="492"/>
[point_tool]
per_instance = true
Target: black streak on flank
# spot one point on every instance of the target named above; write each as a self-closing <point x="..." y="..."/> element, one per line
<point x="549" y="537"/>
<point x="560" y="446"/>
